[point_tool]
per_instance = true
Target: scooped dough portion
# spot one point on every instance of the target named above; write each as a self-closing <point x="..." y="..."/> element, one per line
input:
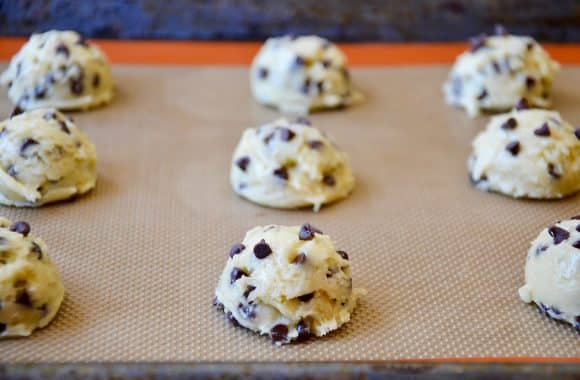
<point x="300" y="74"/>
<point x="44" y="158"/>
<point x="287" y="282"/>
<point x="528" y="153"/>
<point x="553" y="272"/>
<point x="58" y="69"/>
<point x="288" y="165"/>
<point x="31" y="290"/>
<point x="497" y="71"/>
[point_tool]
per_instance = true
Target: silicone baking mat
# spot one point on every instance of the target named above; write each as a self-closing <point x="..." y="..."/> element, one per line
<point x="140" y="256"/>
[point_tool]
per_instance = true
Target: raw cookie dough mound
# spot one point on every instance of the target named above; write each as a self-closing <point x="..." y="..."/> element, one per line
<point x="553" y="272"/>
<point x="497" y="71"/>
<point x="44" y="158"/>
<point x="290" y="165"/>
<point x="31" y="290"/>
<point x="58" y="69"/>
<point x="529" y="153"/>
<point x="299" y="74"/>
<point x="287" y="282"/>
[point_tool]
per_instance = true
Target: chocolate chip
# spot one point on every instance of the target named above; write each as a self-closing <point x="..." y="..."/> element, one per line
<point x="543" y="131"/>
<point x="12" y="170"/>
<point x="96" y="80"/>
<point x="249" y="290"/>
<point x="530" y="45"/>
<point x="23" y="298"/>
<point x="306" y="86"/>
<point x="500" y="30"/>
<point x="577" y="133"/>
<point x="62" y="49"/>
<point x="303" y="330"/>
<point x="232" y="319"/>
<point x="510" y="124"/>
<point x="243" y="163"/>
<point x="541" y="248"/>
<point x="263" y="73"/>
<point x="530" y="82"/>
<point x="248" y="311"/>
<point x="39" y="92"/>
<point x="496" y="67"/>
<point x="303" y="120"/>
<point x="16" y="111"/>
<point x="320" y="87"/>
<point x="299" y="61"/>
<point x="305" y="297"/>
<point x="279" y="333"/>
<point x="307" y="232"/>
<point x="315" y="144"/>
<point x="552" y="171"/>
<point x="268" y="138"/>
<point x="329" y="180"/>
<point x="26" y="143"/>
<point x="477" y="43"/>
<point x="522" y="104"/>
<point x="2" y="327"/>
<point x="558" y="234"/>
<point x="22" y="228"/>
<point x="37" y="250"/>
<point x="281" y="173"/>
<point x="576" y="217"/>
<point x="576" y="244"/>
<point x="326" y="63"/>
<point x="513" y="148"/>
<point x="286" y="134"/>
<point x="299" y="259"/>
<point x="64" y="127"/>
<point x="76" y="85"/>
<point x="343" y="254"/>
<point x="236" y="274"/>
<point x="482" y="95"/>
<point x="237" y="249"/>
<point x="262" y="250"/>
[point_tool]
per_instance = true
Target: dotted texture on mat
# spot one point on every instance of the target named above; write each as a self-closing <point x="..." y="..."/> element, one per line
<point x="140" y="256"/>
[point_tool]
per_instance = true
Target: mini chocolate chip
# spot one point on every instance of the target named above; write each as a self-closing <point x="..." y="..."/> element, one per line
<point x="39" y="92"/>
<point x="326" y="63"/>
<point x="500" y="30"/>
<point x="76" y="85"/>
<point x="286" y="134"/>
<point x="248" y="311"/>
<point x="320" y="87"/>
<point x="329" y="180"/>
<point x="513" y="148"/>
<point x="530" y="45"/>
<point x="236" y="274"/>
<point x="343" y="254"/>
<point x="299" y="259"/>
<point x="262" y="250"/>
<point x="23" y="298"/>
<point x="263" y="73"/>
<point x="237" y="249"/>
<point x="64" y="127"/>
<point x="303" y="120"/>
<point x="530" y="82"/>
<point x="552" y="171"/>
<point x="16" y="111"/>
<point x="577" y="133"/>
<point x="26" y="143"/>
<point x="62" y="49"/>
<point x="12" y="170"/>
<point x="299" y="61"/>
<point x="541" y="248"/>
<point x="22" y="228"/>
<point x="249" y="290"/>
<point x="496" y="67"/>
<point x="315" y="144"/>
<point x="232" y="319"/>
<point x="281" y="173"/>
<point x="307" y="232"/>
<point x="558" y="234"/>
<point x="576" y="244"/>
<point x="306" y="85"/>
<point x="575" y="217"/>
<point x="243" y="163"/>
<point x="306" y="297"/>
<point x="2" y="328"/>
<point x="510" y="124"/>
<point x="303" y="330"/>
<point x="37" y="250"/>
<point x="482" y="95"/>
<point x="82" y="41"/>
<point x="268" y="138"/>
<point x="477" y="43"/>
<point x="542" y="131"/>
<point x="522" y="104"/>
<point x="279" y="333"/>
<point x="96" y="80"/>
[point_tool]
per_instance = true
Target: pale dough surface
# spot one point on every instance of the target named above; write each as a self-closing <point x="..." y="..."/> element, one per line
<point x="58" y="69"/>
<point x="44" y="158"/>
<point x="287" y="164"/>
<point x="553" y="272"/>
<point x="287" y="282"/>
<point x="530" y="153"/>
<point x="497" y="72"/>
<point x="31" y="290"/>
<point x="301" y="74"/>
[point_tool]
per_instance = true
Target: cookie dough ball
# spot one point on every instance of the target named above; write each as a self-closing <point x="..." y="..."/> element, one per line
<point x="553" y="272"/>
<point x="528" y="153"/>
<point x="497" y="71"/>
<point x="290" y="165"/>
<point x="31" y="290"/>
<point x="58" y="69"/>
<point x="44" y="158"/>
<point x="287" y="282"/>
<point x="300" y="74"/>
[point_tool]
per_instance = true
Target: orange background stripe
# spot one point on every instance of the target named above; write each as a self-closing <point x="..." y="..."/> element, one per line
<point x="241" y="53"/>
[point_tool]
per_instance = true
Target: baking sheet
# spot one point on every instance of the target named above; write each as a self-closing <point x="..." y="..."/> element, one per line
<point x="140" y="256"/>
